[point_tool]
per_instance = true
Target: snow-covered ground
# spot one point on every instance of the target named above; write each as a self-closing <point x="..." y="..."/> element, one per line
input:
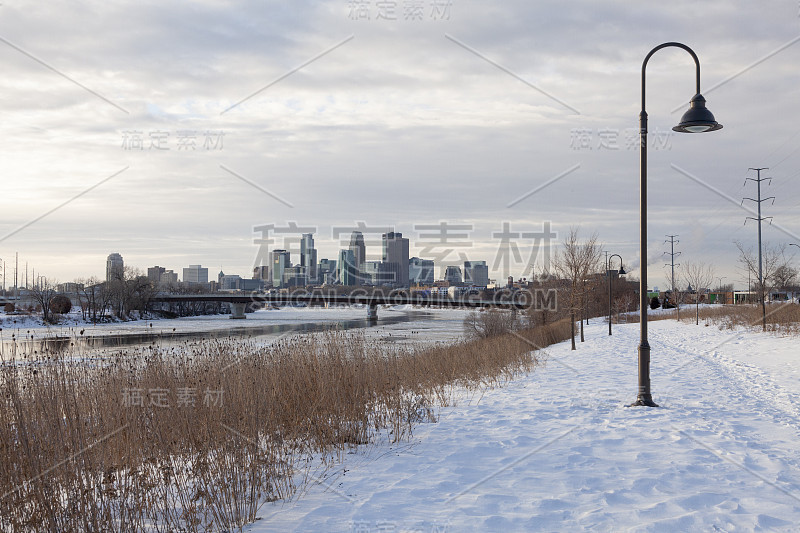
<point x="559" y="450"/>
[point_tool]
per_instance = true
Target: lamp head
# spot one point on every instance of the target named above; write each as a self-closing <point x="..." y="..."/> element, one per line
<point x="698" y="118"/>
<point x="621" y="270"/>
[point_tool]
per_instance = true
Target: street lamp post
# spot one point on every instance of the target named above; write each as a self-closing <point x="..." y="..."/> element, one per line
<point x="793" y="244"/>
<point x="608" y="273"/>
<point x="697" y="119"/>
<point x="720" y="278"/>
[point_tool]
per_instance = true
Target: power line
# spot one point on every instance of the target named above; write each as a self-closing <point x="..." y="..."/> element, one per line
<point x="759" y="219"/>
<point x="672" y="254"/>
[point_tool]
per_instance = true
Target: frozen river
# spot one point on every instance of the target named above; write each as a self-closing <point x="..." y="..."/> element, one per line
<point x="394" y="324"/>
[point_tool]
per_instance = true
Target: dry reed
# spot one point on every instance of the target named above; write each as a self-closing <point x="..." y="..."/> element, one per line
<point x="197" y="437"/>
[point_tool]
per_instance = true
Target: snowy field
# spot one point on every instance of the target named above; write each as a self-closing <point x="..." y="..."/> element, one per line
<point x="558" y="450"/>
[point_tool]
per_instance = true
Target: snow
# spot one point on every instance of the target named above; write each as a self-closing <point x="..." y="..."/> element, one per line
<point x="560" y="450"/>
<point x="203" y="323"/>
<point x="417" y="325"/>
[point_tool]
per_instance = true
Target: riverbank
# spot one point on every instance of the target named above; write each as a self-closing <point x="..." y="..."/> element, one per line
<point x="198" y="437"/>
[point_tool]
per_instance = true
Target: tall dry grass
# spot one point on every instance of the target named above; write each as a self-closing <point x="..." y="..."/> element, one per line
<point x="781" y="317"/>
<point x="196" y="438"/>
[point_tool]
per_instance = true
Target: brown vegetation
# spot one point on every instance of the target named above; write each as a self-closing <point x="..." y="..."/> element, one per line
<point x="781" y="317"/>
<point x="196" y="438"/>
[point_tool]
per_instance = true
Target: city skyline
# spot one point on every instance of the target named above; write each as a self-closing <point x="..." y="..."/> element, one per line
<point x="174" y="147"/>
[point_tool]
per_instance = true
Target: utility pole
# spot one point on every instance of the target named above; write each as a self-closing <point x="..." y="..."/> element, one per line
<point x="672" y="254"/>
<point x="758" y="201"/>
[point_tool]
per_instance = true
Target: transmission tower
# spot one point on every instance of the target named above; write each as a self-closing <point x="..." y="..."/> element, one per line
<point x="672" y="255"/>
<point x="758" y="219"/>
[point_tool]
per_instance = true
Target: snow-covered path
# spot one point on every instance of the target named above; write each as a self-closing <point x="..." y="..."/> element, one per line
<point x="558" y="450"/>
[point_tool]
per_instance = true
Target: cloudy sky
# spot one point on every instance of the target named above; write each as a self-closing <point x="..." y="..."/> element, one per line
<point x="178" y="133"/>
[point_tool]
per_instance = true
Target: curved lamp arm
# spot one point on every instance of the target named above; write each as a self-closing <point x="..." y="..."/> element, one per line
<point x="610" y="257"/>
<point x="665" y="45"/>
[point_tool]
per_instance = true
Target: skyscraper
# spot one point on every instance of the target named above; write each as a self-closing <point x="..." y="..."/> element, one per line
<point x="359" y="250"/>
<point x="452" y="274"/>
<point x="154" y="273"/>
<point x="280" y="261"/>
<point x="346" y="270"/>
<point x="395" y="253"/>
<point x="476" y="273"/>
<point x="195" y="274"/>
<point x="420" y="271"/>
<point x="308" y="257"/>
<point x="262" y="273"/>
<point x="326" y="271"/>
<point x="115" y="267"/>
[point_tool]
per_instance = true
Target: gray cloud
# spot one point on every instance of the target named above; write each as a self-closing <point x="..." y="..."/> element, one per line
<point x="398" y="126"/>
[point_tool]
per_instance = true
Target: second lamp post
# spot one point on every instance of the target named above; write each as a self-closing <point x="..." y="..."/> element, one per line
<point x="608" y="273"/>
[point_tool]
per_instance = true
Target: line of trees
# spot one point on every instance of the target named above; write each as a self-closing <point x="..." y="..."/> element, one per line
<point x="776" y="272"/>
<point x="575" y="263"/>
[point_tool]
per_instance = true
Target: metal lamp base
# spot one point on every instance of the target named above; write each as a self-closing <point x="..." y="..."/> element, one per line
<point x="644" y="400"/>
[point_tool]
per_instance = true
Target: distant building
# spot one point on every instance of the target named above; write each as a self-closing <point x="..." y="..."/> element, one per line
<point x="280" y="260"/>
<point x="262" y="273"/>
<point x="377" y="273"/>
<point x="346" y="268"/>
<point x="227" y="282"/>
<point x="69" y="287"/>
<point x="168" y="277"/>
<point x="359" y="249"/>
<point x="420" y="271"/>
<point x="395" y="254"/>
<point x="233" y="282"/>
<point x="326" y="271"/>
<point x="294" y="276"/>
<point x="452" y="275"/>
<point x="476" y="273"/>
<point x="195" y="274"/>
<point x="161" y="276"/>
<point x="308" y="258"/>
<point x="115" y="267"/>
<point x="154" y="273"/>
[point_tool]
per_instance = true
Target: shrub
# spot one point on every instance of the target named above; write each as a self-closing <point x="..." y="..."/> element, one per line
<point x="489" y="323"/>
<point x="60" y="304"/>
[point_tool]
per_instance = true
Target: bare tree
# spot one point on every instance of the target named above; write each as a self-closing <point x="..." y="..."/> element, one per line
<point x="785" y="277"/>
<point x="773" y="262"/>
<point x="95" y="298"/>
<point x="43" y="293"/>
<point x="700" y="276"/>
<point x="574" y="263"/>
<point x="623" y="302"/>
<point x="676" y="295"/>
